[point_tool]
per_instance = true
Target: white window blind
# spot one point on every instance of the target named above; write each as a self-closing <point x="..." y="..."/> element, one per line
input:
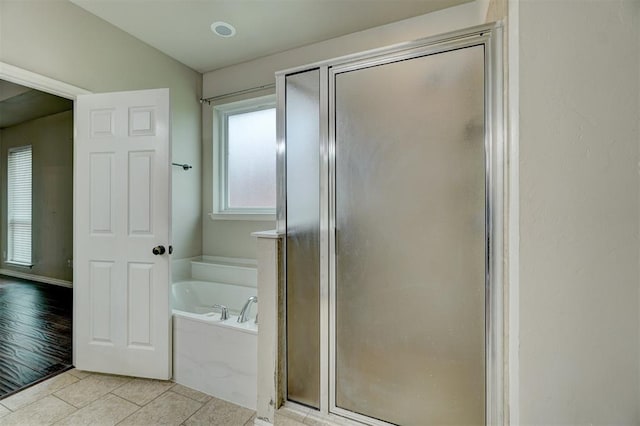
<point x="19" y="205"/>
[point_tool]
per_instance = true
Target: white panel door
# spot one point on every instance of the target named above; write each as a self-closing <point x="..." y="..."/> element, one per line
<point x="122" y="319"/>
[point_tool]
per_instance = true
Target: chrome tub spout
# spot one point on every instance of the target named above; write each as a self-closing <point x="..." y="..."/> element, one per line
<point x="244" y="313"/>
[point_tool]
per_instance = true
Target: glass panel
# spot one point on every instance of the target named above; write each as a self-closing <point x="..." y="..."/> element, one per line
<point x="410" y="219"/>
<point x="303" y="238"/>
<point x="251" y="161"/>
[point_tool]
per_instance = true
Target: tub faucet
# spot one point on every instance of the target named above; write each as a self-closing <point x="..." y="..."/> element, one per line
<point x="224" y="312"/>
<point x="244" y="313"/>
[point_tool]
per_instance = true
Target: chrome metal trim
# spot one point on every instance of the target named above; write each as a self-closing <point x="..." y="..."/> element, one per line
<point x="496" y="168"/>
<point x="489" y="226"/>
<point x="324" y="239"/>
<point x="330" y="283"/>
<point x="281" y="229"/>
<point x="394" y="48"/>
<point x="414" y="52"/>
<point x="350" y="415"/>
<point x="281" y="157"/>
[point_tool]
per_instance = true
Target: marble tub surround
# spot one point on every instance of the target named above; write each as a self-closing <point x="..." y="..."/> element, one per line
<point x="212" y="355"/>
<point x="81" y="398"/>
<point x="215" y="358"/>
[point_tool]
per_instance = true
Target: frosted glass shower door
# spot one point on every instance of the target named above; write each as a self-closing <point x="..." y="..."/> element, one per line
<point x="303" y="237"/>
<point x="410" y="239"/>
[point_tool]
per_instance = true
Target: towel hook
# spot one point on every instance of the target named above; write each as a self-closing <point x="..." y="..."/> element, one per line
<point x="184" y="166"/>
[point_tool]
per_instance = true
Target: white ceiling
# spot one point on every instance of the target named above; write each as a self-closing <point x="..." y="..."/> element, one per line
<point x="19" y="104"/>
<point x="181" y="28"/>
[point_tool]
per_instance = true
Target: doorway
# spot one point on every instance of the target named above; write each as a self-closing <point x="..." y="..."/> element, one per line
<point x="36" y="235"/>
<point x="143" y="115"/>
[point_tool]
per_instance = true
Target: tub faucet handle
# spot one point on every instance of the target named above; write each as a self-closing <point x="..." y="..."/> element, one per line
<point x="224" y="311"/>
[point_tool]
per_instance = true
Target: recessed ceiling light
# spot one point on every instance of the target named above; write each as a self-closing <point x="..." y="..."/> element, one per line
<point x="223" y="29"/>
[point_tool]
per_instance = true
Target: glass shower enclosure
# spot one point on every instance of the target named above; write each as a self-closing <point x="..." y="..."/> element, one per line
<point x="391" y="164"/>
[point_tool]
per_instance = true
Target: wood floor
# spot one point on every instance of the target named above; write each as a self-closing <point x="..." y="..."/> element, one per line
<point x="35" y="332"/>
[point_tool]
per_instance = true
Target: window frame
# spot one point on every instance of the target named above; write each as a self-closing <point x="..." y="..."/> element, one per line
<point x="10" y="260"/>
<point x="221" y="114"/>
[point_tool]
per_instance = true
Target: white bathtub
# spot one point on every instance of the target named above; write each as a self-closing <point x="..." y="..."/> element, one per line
<point x="213" y="356"/>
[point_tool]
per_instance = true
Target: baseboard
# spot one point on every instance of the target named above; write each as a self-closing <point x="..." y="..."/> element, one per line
<point x="37" y="278"/>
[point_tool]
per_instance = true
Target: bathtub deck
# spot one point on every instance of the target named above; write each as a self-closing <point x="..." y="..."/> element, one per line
<point x="35" y="332"/>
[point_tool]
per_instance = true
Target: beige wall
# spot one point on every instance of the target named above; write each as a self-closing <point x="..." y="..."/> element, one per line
<point x="579" y="244"/>
<point x="232" y="238"/>
<point x="62" y="41"/>
<point x="51" y="139"/>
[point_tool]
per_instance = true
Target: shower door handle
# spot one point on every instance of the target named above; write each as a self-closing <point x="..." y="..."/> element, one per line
<point x="158" y="250"/>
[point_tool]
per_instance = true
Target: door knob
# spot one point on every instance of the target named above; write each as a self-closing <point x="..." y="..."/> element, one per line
<point x="158" y="250"/>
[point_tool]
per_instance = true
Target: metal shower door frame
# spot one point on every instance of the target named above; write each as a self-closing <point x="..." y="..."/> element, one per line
<point x="489" y="36"/>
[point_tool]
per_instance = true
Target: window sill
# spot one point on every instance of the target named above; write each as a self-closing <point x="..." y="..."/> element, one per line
<point x="243" y="216"/>
<point x="20" y="264"/>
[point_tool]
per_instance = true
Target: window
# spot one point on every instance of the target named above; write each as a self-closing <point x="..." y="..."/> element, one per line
<point x="245" y="151"/>
<point x="19" y="206"/>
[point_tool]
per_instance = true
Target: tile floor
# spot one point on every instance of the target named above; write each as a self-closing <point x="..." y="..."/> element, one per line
<point x="79" y="398"/>
<point x="302" y="416"/>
